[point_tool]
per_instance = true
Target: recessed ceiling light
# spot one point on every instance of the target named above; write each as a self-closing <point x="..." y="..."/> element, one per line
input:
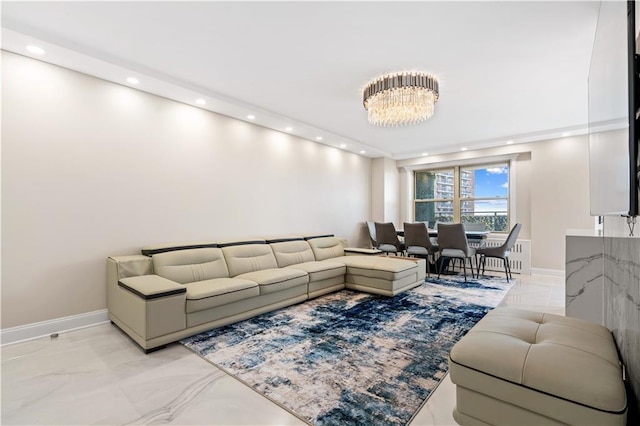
<point x="509" y="142"/>
<point x="424" y="154"/>
<point x="251" y="117"/>
<point x="288" y="129"/>
<point x="362" y="152"/>
<point x="35" y="49"/>
<point x="318" y="138"/>
<point x="132" y="80"/>
<point x="343" y="145"/>
<point x="463" y="148"/>
<point x="201" y="101"/>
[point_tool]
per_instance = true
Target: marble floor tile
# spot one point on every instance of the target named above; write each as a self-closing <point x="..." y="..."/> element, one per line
<point x="98" y="375"/>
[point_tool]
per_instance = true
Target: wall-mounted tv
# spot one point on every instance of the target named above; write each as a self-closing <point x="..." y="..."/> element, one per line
<point x="613" y="104"/>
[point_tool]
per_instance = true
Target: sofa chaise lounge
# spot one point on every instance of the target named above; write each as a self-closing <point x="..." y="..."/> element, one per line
<point x="171" y="292"/>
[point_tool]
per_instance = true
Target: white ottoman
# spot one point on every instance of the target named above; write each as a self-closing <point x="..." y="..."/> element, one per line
<point x="519" y="367"/>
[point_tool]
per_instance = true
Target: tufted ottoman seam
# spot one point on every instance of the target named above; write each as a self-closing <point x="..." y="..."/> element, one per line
<point x="539" y="391"/>
<point x="573" y="328"/>
<point x="617" y="364"/>
<point x="515" y="336"/>
<point x="526" y="357"/>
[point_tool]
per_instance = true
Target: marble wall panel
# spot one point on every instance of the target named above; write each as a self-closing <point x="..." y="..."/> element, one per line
<point x="621" y="303"/>
<point x="584" y="284"/>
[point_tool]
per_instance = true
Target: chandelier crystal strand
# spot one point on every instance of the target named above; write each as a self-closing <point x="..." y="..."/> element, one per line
<point x="401" y="99"/>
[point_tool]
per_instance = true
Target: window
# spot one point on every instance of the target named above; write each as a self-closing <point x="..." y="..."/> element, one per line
<point x="468" y="194"/>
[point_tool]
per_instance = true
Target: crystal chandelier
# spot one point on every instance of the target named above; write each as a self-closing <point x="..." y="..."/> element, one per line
<point x="400" y="99"/>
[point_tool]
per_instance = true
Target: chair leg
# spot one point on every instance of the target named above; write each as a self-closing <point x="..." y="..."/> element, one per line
<point x="509" y="268"/>
<point x="428" y="266"/>
<point x="484" y="263"/>
<point x="464" y="267"/>
<point x="471" y="266"/>
<point x="506" y="269"/>
<point x="440" y="267"/>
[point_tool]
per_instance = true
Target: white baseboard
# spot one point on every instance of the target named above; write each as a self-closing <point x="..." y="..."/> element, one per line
<point x="548" y="272"/>
<point x="58" y="325"/>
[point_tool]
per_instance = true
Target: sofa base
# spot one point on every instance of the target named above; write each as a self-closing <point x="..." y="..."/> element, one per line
<point x="464" y="420"/>
<point x="191" y="331"/>
<point x="384" y="292"/>
<point x="326" y="290"/>
<point x="230" y="310"/>
<point x="491" y="411"/>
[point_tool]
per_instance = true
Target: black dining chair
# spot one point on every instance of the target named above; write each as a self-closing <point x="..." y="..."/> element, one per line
<point x="387" y="238"/>
<point x="418" y="243"/>
<point x="453" y="244"/>
<point x="501" y="252"/>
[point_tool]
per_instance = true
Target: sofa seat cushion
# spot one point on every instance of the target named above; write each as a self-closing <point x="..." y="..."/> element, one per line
<point x="272" y="280"/>
<point x="563" y="368"/>
<point x="219" y="291"/>
<point x="320" y="270"/>
<point x="386" y="268"/>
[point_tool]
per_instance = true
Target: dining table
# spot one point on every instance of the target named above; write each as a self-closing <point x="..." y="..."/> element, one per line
<point x="473" y="237"/>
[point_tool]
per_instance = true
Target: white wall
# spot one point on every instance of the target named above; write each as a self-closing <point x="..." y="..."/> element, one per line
<point x="559" y="197"/>
<point x="384" y="191"/>
<point x="92" y="169"/>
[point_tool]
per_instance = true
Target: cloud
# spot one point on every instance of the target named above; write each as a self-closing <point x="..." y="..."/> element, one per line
<point x="498" y="170"/>
<point x="491" y="206"/>
<point x="505" y="185"/>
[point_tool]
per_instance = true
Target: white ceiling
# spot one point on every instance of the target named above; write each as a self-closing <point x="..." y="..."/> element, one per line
<point x="507" y="70"/>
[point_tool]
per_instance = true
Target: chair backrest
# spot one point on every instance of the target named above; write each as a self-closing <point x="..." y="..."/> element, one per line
<point x="386" y="234"/>
<point x="452" y="236"/>
<point x="475" y="227"/>
<point x="371" y="226"/>
<point x="441" y="223"/>
<point x="513" y="237"/>
<point x="417" y="235"/>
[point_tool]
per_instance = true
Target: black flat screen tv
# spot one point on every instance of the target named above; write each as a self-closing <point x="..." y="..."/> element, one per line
<point x="613" y="112"/>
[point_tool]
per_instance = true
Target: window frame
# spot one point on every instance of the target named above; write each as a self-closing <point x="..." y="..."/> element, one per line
<point x="457" y="183"/>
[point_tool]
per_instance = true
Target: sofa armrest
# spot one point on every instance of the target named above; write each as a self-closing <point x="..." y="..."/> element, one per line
<point x="130" y="266"/>
<point x="151" y="286"/>
<point x="355" y="251"/>
<point x="146" y="306"/>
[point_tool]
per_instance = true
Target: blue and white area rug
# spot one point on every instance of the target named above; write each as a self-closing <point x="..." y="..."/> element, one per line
<point x="350" y="357"/>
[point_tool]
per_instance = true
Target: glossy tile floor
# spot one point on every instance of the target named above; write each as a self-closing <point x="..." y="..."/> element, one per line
<point x="99" y="376"/>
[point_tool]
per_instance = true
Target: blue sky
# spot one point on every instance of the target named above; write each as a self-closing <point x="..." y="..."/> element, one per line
<point x="491" y="182"/>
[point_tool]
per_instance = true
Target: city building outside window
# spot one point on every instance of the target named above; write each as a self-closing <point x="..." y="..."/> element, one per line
<point x="476" y="194"/>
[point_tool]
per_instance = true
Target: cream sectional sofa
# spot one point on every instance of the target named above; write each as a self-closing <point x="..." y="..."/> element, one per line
<point x="175" y="291"/>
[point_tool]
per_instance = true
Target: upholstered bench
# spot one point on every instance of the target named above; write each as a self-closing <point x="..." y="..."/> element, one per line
<point x="518" y="367"/>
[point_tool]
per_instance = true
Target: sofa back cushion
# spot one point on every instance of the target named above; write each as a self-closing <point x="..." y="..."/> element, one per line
<point x="292" y="252"/>
<point x="187" y="266"/>
<point x="249" y="258"/>
<point x="326" y="248"/>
